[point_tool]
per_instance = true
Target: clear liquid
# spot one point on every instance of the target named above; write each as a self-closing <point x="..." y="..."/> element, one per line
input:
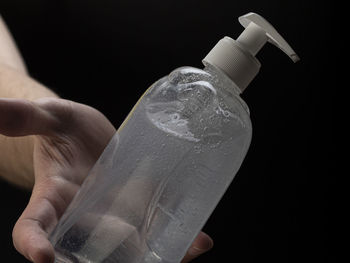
<point x="160" y="177"/>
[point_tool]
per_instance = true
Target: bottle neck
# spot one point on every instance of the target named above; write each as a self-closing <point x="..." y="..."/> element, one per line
<point x="228" y="85"/>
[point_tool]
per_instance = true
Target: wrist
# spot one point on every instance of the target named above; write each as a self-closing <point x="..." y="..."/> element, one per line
<point x="14" y="84"/>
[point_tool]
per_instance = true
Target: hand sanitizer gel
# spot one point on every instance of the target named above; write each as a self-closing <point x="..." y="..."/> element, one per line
<point x="170" y="162"/>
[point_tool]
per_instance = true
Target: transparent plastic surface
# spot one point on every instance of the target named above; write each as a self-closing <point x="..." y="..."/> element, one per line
<point x="162" y="174"/>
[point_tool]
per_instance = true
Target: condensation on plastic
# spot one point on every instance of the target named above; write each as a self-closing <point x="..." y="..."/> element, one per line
<point x="161" y="175"/>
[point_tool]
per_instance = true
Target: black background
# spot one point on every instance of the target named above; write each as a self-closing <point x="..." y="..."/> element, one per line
<point x="106" y="53"/>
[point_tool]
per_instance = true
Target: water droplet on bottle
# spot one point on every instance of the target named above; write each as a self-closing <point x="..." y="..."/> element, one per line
<point x="197" y="149"/>
<point x="226" y="113"/>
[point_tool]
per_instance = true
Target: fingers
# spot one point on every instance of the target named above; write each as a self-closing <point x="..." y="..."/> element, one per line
<point x="30" y="234"/>
<point x="20" y="117"/>
<point x="31" y="241"/>
<point x="200" y="245"/>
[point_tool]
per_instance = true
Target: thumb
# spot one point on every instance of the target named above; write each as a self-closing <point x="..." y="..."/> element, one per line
<point x="30" y="234"/>
<point x="200" y="245"/>
<point x="19" y="117"/>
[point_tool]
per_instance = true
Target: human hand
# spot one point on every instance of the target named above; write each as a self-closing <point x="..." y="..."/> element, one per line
<point x="69" y="137"/>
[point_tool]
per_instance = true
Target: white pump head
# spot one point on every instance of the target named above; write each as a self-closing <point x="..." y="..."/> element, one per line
<point x="237" y="59"/>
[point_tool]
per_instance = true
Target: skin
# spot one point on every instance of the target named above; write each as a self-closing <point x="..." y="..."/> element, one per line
<point x="48" y="145"/>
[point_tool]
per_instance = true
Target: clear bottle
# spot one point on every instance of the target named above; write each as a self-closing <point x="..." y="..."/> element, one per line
<point x="170" y="162"/>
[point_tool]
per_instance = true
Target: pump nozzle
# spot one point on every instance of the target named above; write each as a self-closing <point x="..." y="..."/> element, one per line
<point x="237" y="59"/>
<point x="257" y="31"/>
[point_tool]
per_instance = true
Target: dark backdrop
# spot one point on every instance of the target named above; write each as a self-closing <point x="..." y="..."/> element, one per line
<point x="105" y="53"/>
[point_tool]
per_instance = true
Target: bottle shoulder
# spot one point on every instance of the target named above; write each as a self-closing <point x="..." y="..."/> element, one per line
<point x="193" y="104"/>
<point x="193" y="85"/>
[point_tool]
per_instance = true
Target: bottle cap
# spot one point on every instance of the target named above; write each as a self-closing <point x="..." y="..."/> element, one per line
<point x="237" y="59"/>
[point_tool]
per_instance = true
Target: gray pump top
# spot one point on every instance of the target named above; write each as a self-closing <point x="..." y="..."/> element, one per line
<point x="237" y="57"/>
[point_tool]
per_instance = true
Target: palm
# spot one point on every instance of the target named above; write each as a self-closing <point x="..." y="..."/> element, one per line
<point x="63" y="159"/>
<point x="69" y="138"/>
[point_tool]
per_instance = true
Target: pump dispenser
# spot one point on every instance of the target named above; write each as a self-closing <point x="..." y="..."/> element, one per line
<point x="237" y="58"/>
<point x="170" y="162"/>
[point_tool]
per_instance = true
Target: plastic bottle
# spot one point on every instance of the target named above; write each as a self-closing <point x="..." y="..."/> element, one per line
<point x="170" y="162"/>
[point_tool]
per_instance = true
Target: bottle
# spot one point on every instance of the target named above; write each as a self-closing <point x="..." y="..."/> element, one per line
<point x="166" y="168"/>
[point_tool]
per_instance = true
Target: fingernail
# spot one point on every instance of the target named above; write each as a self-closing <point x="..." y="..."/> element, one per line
<point x="202" y="244"/>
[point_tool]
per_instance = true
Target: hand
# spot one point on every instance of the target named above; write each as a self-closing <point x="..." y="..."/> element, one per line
<point x="69" y="137"/>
